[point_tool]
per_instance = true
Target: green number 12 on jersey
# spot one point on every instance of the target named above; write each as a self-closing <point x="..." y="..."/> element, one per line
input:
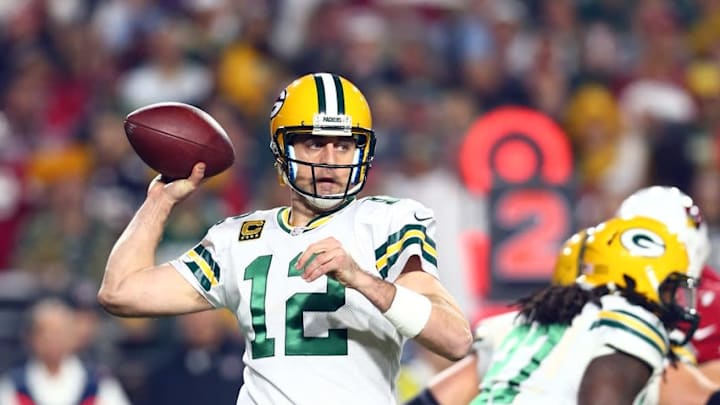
<point x="296" y="343"/>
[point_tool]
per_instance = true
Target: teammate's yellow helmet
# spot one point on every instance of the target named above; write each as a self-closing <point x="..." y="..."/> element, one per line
<point x="328" y="105"/>
<point x="639" y="248"/>
<point x="567" y="266"/>
<point x="642" y="254"/>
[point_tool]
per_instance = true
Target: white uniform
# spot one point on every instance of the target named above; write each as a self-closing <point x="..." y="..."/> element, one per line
<point x="544" y="364"/>
<point x="318" y="342"/>
<point x="491" y="331"/>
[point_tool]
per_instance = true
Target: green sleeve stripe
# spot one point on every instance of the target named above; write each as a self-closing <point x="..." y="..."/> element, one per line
<point x="199" y="275"/>
<point x="380" y="251"/>
<point x="207" y="256"/>
<point x="410" y="241"/>
<point x="619" y="325"/>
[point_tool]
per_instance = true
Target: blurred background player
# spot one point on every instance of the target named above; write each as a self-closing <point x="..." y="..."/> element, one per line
<point x="692" y="381"/>
<point x="696" y="379"/>
<point x="613" y="322"/>
<point x="55" y="374"/>
<point x="327" y="290"/>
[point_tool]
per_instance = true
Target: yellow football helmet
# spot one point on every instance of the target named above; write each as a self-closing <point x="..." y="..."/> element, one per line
<point x="567" y="266"/>
<point x="328" y="105"/>
<point x="642" y="254"/>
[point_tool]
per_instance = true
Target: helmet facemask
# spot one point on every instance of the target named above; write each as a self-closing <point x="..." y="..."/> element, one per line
<point x="286" y="161"/>
<point x="678" y="298"/>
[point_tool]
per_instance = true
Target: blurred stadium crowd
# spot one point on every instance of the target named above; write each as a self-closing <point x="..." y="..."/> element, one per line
<point x="635" y="85"/>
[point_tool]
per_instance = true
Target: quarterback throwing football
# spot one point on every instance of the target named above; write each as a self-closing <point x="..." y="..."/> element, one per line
<point x="326" y="290"/>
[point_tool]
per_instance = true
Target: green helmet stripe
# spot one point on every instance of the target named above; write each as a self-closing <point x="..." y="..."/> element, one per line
<point x="320" y="93"/>
<point x="340" y="95"/>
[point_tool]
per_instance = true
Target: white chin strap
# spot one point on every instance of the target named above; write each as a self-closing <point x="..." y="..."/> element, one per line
<point x="323" y="204"/>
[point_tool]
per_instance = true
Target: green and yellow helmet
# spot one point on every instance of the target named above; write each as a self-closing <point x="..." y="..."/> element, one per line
<point x="642" y="254"/>
<point x="567" y="265"/>
<point x="322" y="104"/>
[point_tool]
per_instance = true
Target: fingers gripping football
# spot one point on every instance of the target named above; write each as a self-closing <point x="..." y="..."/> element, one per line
<point x="327" y="256"/>
<point x="178" y="190"/>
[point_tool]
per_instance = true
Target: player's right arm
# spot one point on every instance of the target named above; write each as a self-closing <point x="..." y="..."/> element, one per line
<point x="633" y="347"/>
<point x="615" y="378"/>
<point x="133" y="285"/>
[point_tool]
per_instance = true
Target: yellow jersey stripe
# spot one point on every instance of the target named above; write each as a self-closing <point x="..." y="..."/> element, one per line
<point x="638" y="326"/>
<point x="204" y="266"/>
<point x="395" y="247"/>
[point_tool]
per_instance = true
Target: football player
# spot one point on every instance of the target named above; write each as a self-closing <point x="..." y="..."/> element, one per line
<point x="601" y="339"/>
<point x="327" y="289"/>
<point x="695" y="379"/>
<point x="460" y="382"/>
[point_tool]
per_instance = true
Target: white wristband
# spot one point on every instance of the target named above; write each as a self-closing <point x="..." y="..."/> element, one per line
<point x="409" y="312"/>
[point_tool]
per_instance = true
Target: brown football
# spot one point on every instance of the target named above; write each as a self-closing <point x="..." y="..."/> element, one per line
<point x="171" y="137"/>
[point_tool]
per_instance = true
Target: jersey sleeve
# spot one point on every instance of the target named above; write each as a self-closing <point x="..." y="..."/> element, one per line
<point x="635" y="331"/>
<point x="204" y="267"/>
<point x="409" y="231"/>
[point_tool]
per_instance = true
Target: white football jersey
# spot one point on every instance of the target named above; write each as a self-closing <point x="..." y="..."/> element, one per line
<point x="489" y="333"/>
<point x="312" y="342"/>
<point x="537" y="364"/>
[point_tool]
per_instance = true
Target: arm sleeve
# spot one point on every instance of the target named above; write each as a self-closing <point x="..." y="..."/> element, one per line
<point x="410" y="231"/>
<point x="205" y="267"/>
<point x="634" y="331"/>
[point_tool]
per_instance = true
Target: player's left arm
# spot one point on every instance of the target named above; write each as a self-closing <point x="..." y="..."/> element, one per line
<point x="436" y="321"/>
<point x="447" y="331"/>
<point x="408" y="291"/>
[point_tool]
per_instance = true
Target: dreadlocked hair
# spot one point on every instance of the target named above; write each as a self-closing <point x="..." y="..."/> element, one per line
<point x="558" y="304"/>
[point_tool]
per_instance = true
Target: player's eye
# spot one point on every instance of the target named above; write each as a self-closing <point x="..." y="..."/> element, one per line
<point x="345" y="144"/>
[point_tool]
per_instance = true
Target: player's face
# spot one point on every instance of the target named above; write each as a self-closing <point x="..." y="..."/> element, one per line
<point x="328" y="150"/>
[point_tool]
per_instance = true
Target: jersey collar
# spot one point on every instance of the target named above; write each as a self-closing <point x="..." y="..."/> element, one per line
<point x="283" y="219"/>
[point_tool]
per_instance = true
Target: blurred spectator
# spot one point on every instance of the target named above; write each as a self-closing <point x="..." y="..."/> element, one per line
<point x="364" y="40"/>
<point x="246" y="73"/>
<point x="142" y="344"/>
<point x="205" y="368"/>
<point x="611" y="161"/>
<point x="167" y="75"/>
<point x="54" y="374"/>
<point x="53" y="241"/>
